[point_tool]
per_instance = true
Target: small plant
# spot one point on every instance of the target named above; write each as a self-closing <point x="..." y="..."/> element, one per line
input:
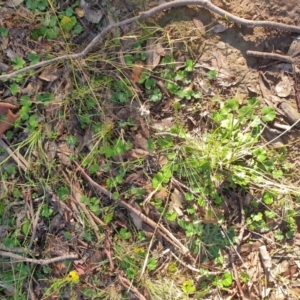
<point x="3" y="32"/>
<point x="92" y="203"/>
<point x="37" y="5"/>
<point x="224" y="282"/>
<point x="212" y="75"/>
<point x="189" y="287"/>
<point x="58" y="284"/>
<point x="18" y="63"/>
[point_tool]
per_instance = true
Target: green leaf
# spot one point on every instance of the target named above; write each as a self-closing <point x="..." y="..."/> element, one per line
<point x="156" y="96"/>
<point x="33" y="122"/>
<point x="212" y="74"/>
<point x="188" y="287"/>
<point x="78" y="29"/>
<point x="255" y="122"/>
<point x="14" y="89"/>
<point x="270" y="214"/>
<point x="189" y="65"/>
<point x="68" y="23"/>
<point x="128" y="59"/>
<point x="152" y="264"/>
<point x="189" y="196"/>
<point x="150" y="145"/>
<point x="45" y="97"/>
<point x="3" y="32"/>
<point x="94" y="168"/>
<point x="269" y="114"/>
<point x="171" y="216"/>
<point x="232" y="104"/>
<point x="51" y="33"/>
<point x="150" y="83"/>
<point x="108" y="218"/>
<point x="190" y="210"/>
<point x="33" y="58"/>
<point x="144" y="76"/>
<point x="277" y="174"/>
<point x="261" y="154"/>
<point x="257" y="217"/>
<point x="268" y="198"/>
<point x="67" y="235"/>
<point x="24" y="112"/>
<point x="130" y="272"/>
<point x="26" y="227"/>
<point x="69" y="12"/>
<point x="18" y="62"/>
<point x="226" y="279"/>
<point x="124" y="234"/>
<point x="63" y="192"/>
<point x="157" y="180"/>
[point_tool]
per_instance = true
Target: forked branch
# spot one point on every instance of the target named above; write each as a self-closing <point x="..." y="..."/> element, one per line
<point x="149" y="13"/>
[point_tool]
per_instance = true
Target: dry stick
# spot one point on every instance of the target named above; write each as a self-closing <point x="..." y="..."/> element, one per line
<point x="147" y="14"/>
<point x="276" y="56"/>
<point x="34" y="227"/>
<point x="76" y="198"/>
<point x="19" y="161"/>
<point x="161" y="229"/>
<point x="127" y="284"/>
<point x="237" y="279"/>
<point x="16" y="153"/>
<point x="38" y="261"/>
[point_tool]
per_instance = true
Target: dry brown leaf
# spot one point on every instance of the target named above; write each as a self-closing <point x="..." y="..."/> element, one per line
<point x="294" y="48"/>
<point x="176" y="202"/>
<point x="144" y="128"/>
<point x="50" y="149"/>
<point x="153" y="58"/>
<point x="137" y="221"/>
<point x="137" y="70"/>
<point x="10" y="118"/>
<point x="219" y="28"/>
<point x="137" y="153"/>
<point x="162" y="194"/>
<point x="284" y="87"/>
<point x="164" y="124"/>
<point x="140" y="142"/>
<point x="160" y="49"/>
<point x="131" y="178"/>
<point x="92" y="15"/>
<point x="199" y="25"/>
<point x="163" y="160"/>
<point x="49" y="74"/>
<point x="79" y="12"/>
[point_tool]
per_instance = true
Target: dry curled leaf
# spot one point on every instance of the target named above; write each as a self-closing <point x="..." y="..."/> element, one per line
<point x="199" y="25"/>
<point x="137" y="71"/>
<point x="7" y="121"/>
<point x="92" y="15"/>
<point x="153" y="58"/>
<point x="284" y="87"/>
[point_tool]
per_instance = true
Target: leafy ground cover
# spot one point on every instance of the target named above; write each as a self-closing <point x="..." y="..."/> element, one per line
<point x="135" y="172"/>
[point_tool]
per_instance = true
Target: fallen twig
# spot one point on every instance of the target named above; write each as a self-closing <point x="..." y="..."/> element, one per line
<point x="76" y="193"/>
<point x="34" y="227"/>
<point x="128" y="285"/>
<point x="22" y="163"/>
<point x="276" y="56"/>
<point x="147" y="14"/>
<point x="266" y="262"/>
<point x="236" y="278"/>
<point x="160" y="228"/>
<point x="38" y="261"/>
